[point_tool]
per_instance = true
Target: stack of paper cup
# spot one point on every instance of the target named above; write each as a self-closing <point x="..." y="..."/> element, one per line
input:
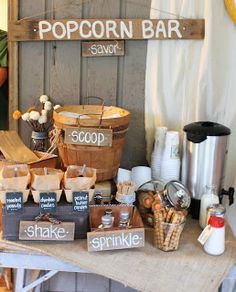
<point x="170" y="165"/>
<point x="156" y="158"/>
<point x="140" y="175"/>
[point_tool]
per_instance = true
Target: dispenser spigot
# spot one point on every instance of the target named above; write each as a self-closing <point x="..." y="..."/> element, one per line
<point x="229" y="193"/>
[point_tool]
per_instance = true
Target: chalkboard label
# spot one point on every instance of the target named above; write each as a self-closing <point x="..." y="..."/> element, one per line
<point x="48" y="202"/>
<point x="14" y="202"/>
<point x="80" y="201"/>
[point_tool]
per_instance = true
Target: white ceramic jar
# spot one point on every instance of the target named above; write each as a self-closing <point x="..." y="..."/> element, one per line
<point x="215" y="244"/>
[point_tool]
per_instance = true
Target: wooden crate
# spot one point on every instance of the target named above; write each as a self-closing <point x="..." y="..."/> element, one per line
<point x="115" y="238"/>
<point x="64" y="213"/>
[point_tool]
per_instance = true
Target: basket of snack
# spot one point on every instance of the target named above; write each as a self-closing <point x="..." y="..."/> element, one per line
<point x="46" y="179"/>
<point x="93" y="135"/>
<point x="79" y="178"/>
<point x="14" y="178"/>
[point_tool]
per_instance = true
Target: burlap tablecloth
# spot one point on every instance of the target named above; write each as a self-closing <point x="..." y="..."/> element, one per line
<point x="149" y="269"/>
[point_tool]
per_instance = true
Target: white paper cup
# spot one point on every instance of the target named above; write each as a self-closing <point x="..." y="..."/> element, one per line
<point x="140" y="175"/>
<point x="171" y="149"/>
<point x="123" y="175"/>
<point x="170" y="170"/>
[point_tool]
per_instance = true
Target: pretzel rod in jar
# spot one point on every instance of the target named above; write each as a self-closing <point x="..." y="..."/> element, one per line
<point x="164" y="214"/>
<point x="174" y="241"/>
<point x="169" y="215"/>
<point x="171" y="230"/>
<point x="159" y="232"/>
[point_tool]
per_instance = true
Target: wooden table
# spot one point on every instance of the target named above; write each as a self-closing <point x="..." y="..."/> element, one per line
<point x="145" y="269"/>
<point x="22" y="260"/>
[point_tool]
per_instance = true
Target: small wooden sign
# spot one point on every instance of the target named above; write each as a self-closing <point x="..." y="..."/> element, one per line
<point x="105" y="29"/>
<point x="14" y="202"/>
<point x="48" y="202"/>
<point x="31" y="230"/>
<point x="88" y="136"/>
<point x="80" y="201"/>
<point x="116" y="239"/>
<point x="103" y="48"/>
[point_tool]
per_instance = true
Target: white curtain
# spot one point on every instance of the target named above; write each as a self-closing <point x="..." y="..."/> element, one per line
<point x="192" y="80"/>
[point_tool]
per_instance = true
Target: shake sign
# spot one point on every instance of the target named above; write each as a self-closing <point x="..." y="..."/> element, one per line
<point x="31" y="230"/>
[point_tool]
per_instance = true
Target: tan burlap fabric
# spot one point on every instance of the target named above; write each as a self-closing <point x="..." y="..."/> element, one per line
<point x="149" y="269"/>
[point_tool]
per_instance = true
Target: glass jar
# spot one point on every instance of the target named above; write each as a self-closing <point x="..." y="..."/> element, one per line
<point x="208" y="198"/>
<point x="124" y="219"/>
<point x="156" y="192"/>
<point x="39" y="141"/>
<point x="107" y="221"/>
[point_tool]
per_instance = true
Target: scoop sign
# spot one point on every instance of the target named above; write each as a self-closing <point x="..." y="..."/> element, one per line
<point x="88" y="136"/>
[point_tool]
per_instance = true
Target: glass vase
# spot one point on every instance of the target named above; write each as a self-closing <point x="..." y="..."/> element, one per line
<point x="39" y="141"/>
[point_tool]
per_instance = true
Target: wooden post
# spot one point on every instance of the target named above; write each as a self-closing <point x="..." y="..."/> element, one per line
<point x="13" y="67"/>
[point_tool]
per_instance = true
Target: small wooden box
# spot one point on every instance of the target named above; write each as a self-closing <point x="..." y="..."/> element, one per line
<point x="11" y="221"/>
<point x="115" y="238"/>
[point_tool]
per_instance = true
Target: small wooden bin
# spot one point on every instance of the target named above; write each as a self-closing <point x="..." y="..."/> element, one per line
<point x="115" y="238"/>
<point x="45" y="160"/>
<point x="64" y="213"/>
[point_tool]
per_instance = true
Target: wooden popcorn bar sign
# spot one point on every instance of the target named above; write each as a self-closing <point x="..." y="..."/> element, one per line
<point x="88" y="136"/>
<point x="105" y="29"/>
<point x="116" y="239"/>
<point x="31" y="230"/>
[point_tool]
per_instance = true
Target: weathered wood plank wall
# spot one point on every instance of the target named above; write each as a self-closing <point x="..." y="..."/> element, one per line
<point x="57" y="68"/>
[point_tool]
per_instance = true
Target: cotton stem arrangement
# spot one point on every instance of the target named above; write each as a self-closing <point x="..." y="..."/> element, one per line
<point x="40" y="120"/>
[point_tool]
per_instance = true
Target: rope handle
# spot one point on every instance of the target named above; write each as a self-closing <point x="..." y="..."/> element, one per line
<point x="48" y="218"/>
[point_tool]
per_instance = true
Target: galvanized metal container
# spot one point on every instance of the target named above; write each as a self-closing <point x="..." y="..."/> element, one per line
<point x="204" y="151"/>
